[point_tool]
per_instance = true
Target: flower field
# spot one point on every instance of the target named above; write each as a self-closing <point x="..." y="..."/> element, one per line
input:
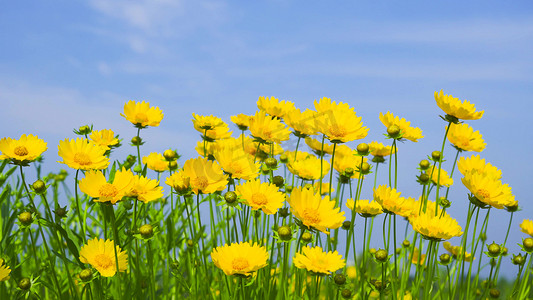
<point x="249" y="218"/>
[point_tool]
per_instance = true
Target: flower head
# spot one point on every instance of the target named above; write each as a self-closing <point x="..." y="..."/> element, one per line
<point x="141" y="114"/>
<point x="455" y="108"/>
<point x="101" y="255"/>
<point x="445" y="179"/>
<point x="179" y="182"/>
<point x="263" y="196"/>
<point x="463" y="137"/>
<point x="314" y="211"/>
<point x="338" y="122"/>
<point x="96" y="186"/>
<point x="240" y="258"/>
<point x="145" y="189"/>
<point x="488" y="190"/>
<point x="303" y="123"/>
<point x="378" y="149"/>
<point x="268" y="129"/>
<point x="527" y="227"/>
<point x="440" y="227"/>
<point x="241" y="120"/>
<point x="237" y="163"/>
<point x="391" y="202"/>
<point x="203" y="123"/>
<point x="457" y="252"/>
<point x="317" y="146"/>
<point x="104" y="138"/>
<point x="273" y="107"/>
<point x="80" y="154"/>
<point x="4" y="272"/>
<point x="308" y="167"/>
<point x="22" y="151"/>
<point x="365" y="208"/>
<point x="205" y="176"/>
<point x="475" y="164"/>
<point x="406" y="131"/>
<point x="317" y="261"/>
<point x="156" y="162"/>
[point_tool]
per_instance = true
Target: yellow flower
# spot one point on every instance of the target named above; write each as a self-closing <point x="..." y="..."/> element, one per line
<point x="317" y="261"/>
<point x="240" y="258"/>
<point x="96" y="186"/>
<point x="455" y="108"/>
<point x="308" y="168"/>
<point x="292" y="155"/>
<point x="4" y="272"/>
<point x="101" y="255"/>
<point x="263" y="196"/>
<point x="417" y="258"/>
<point x="406" y="131"/>
<point x="314" y="211"/>
<point x="475" y="164"/>
<point x="237" y="163"/>
<point x="241" y="120"/>
<point x="141" y="114"/>
<point x="156" y="162"/>
<point x="179" y="182"/>
<point x="268" y="129"/>
<point x="378" y="149"/>
<point x="337" y="123"/>
<point x="463" y="137"/>
<point x="210" y="149"/>
<point x="436" y="227"/>
<point x="457" y="252"/>
<point x="351" y="272"/>
<point x="203" y="123"/>
<point x="205" y="176"/>
<point x="345" y="159"/>
<point x="365" y="208"/>
<point x="445" y="179"/>
<point x="80" y="154"/>
<point x="391" y="202"/>
<point x="325" y="187"/>
<point x="488" y="190"/>
<point x="145" y="189"/>
<point x="22" y="151"/>
<point x="527" y="227"/>
<point x="272" y="106"/>
<point x="316" y="146"/>
<point x="104" y="138"/>
<point x="303" y="123"/>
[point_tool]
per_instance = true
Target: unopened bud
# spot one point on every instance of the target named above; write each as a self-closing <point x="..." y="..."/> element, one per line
<point x="84" y="130"/>
<point x="406" y="243"/>
<point x="278" y="181"/>
<point x="393" y="131"/>
<point x="271" y="163"/>
<point x="307" y="237"/>
<point x="170" y="155"/>
<point x="136" y="141"/>
<point x="494" y="250"/>
<point x="39" y="186"/>
<point x="346" y="294"/>
<point x="362" y="149"/>
<point x="86" y="274"/>
<point x="24" y="284"/>
<point x="285" y="233"/>
<point x="445" y="258"/>
<point x="436" y="155"/>
<point x="381" y="255"/>
<point x="25" y="218"/>
<point x="528" y="244"/>
<point x="283" y="158"/>
<point x="284" y="212"/>
<point x="339" y="279"/>
<point x="346" y="225"/>
<point x="146" y="231"/>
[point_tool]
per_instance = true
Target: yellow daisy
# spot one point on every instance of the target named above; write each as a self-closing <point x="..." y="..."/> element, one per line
<point x="303" y="123"/>
<point x="365" y="208"/>
<point x="263" y="196"/>
<point x="241" y="120"/>
<point x="240" y="258"/>
<point x="203" y="123"/>
<point x="457" y="252"/>
<point x="101" y="255"/>
<point x="308" y="168"/>
<point x="237" y="163"/>
<point x="4" y="272"/>
<point x="96" y="186"/>
<point x="445" y="179"/>
<point x="339" y="124"/>
<point x="457" y="109"/>
<point x="268" y="129"/>
<point x="314" y="211"/>
<point x="316" y="146"/>
<point x="346" y="159"/>
<point x="145" y="189"/>
<point x="406" y="131"/>
<point x="488" y="190"/>
<point x="527" y="227"/>
<point x="104" y="138"/>
<point x="179" y="182"/>
<point x="273" y="107"/>
<point x="80" y="154"/>
<point x="391" y="202"/>
<point x="22" y="151"/>
<point x="378" y="149"/>
<point x="325" y="187"/>
<point x="436" y="227"/>
<point x="475" y="164"/>
<point x="156" y="162"/>
<point x="205" y="176"/>
<point x="463" y="137"/>
<point x="141" y="114"/>
<point x="417" y="258"/>
<point x="317" y="261"/>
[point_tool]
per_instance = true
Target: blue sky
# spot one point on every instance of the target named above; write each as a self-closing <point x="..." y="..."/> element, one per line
<point x="64" y="64"/>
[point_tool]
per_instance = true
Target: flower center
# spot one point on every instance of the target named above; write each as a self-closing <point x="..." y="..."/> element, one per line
<point x="337" y="130"/>
<point x="82" y="158"/>
<point x="21" y="151"/>
<point x="103" y="261"/>
<point x="463" y="142"/>
<point x="311" y="216"/>
<point x="108" y="190"/>
<point x="141" y="118"/>
<point x="483" y="193"/>
<point x="201" y="182"/>
<point x="240" y="263"/>
<point x="259" y="199"/>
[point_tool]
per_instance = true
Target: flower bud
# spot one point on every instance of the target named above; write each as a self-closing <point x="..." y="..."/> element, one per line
<point x="86" y="275"/>
<point x="346" y="225"/>
<point x="61" y="212"/>
<point x="518" y="259"/>
<point x="483" y="236"/>
<point x="24" y="284"/>
<point x="346" y="294"/>
<point x="378" y="159"/>
<point x="393" y="131"/>
<point x="424" y="164"/>
<point x="528" y="244"/>
<point x="381" y="255"/>
<point x="365" y="168"/>
<point x="406" y="243"/>
<point x="278" y="181"/>
<point x="348" y="172"/>
<point x="131" y="159"/>
<point x="494" y="293"/>
<point x="445" y="258"/>
<point x="173" y="165"/>
<point x="436" y="155"/>
<point x="190" y="243"/>
<point x="445" y="203"/>
<point x="284" y="212"/>
<point x="512" y="208"/>
<point x="505" y="251"/>
<point x="138" y="169"/>
<point x="372" y="251"/>
<point x="136" y="141"/>
<point x="84" y="130"/>
<point x="146" y="231"/>
<point x="362" y="149"/>
<point x="285" y="233"/>
<point x="494" y="250"/>
<point x="39" y="186"/>
<point x="307" y="237"/>
<point x="339" y="279"/>
<point x="25" y="218"/>
<point x="423" y="178"/>
<point x="283" y="158"/>
<point x="230" y="197"/>
<point x="288" y="188"/>
<point x="271" y="163"/>
<point x="170" y="155"/>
